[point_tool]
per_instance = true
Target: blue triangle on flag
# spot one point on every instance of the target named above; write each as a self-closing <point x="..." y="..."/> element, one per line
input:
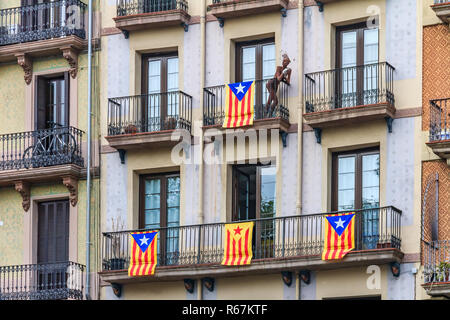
<point x="240" y="88"/>
<point x="144" y="240"/>
<point x="340" y="223"/>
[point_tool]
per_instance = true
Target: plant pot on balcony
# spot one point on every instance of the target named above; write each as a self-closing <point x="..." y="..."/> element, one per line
<point x="131" y="129"/>
<point x="170" y="123"/>
<point x="384" y="245"/>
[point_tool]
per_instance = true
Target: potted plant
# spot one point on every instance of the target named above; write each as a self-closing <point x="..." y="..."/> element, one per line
<point x="130" y="129"/>
<point x="442" y="272"/>
<point x="117" y="259"/>
<point x="170" y="123"/>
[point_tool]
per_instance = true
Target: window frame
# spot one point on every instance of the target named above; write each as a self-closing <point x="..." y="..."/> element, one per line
<point x="358" y="153"/>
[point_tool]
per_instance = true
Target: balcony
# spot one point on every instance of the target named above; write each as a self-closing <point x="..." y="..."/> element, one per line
<point x="214" y="107"/>
<point x="51" y="281"/>
<point x="349" y="96"/>
<point x="225" y="9"/>
<point x="283" y="243"/>
<point x="148" y="120"/>
<point x="442" y="10"/>
<point x="41" y="156"/>
<point x="42" y="29"/>
<point x="440" y="128"/>
<point x="146" y="14"/>
<point x="436" y="261"/>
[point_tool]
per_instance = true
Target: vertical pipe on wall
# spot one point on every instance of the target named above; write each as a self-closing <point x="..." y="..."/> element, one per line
<point x="88" y="183"/>
<point x="300" y="107"/>
<point x="202" y="85"/>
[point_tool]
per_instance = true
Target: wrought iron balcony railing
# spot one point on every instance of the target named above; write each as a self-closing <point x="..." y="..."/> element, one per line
<point x="349" y="87"/>
<point x="129" y="7"/>
<point x="282" y="237"/>
<point x="42" y="21"/>
<point x="50" y="281"/>
<point x="436" y="261"/>
<point x="214" y="103"/>
<point x="440" y="119"/>
<point x="149" y="113"/>
<point x="441" y="1"/>
<point x="41" y="148"/>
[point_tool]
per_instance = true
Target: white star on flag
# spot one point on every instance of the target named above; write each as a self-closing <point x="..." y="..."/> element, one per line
<point x="339" y="223"/>
<point x="143" y="240"/>
<point x="240" y="88"/>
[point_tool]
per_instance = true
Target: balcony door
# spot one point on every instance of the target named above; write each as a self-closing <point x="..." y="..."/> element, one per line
<point x="255" y="60"/>
<point x="254" y="197"/>
<point x="53" y="244"/>
<point x="160" y="209"/>
<point x="356" y="185"/>
<point x="358" y="72"/>
<point x="44" y="17"/>
<point x="160" y="89"/>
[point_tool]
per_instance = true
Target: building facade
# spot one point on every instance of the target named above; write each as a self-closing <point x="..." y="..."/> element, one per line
<point x="360" y="125"/>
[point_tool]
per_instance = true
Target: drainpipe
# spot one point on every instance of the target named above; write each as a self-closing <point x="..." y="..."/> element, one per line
<point x="200" y="216"/>
<point x="88" y="183"/>
<point x="300" y="107"/>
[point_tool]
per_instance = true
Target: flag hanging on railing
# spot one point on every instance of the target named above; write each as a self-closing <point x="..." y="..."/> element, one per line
<point x="339" y="235"/>
<point x="143" y="253"/>
<point x="239" y="104"/>
<point x="238" y="244"/>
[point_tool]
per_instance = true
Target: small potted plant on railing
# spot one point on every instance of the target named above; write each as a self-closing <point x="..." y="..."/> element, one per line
<point x="442" y="272"/>
<point x="170" y="123"/>
<point x="117" y="257"/>
<point x="130" y="129"/>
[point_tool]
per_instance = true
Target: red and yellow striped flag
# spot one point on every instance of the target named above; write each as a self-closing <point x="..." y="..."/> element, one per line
<point x="143" y="253"/>
<point x="339" y="235"/>
<point x="238" y="244"/>
<point x="239" y="104"/>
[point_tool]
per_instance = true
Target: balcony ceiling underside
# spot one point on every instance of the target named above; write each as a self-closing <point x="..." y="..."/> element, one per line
<point x="441" y="148"/>
<point x="438" y="289"/>
<point x="168" y="273"/>
<point x="442" y="11"/>
<point x="39" y="175"/>
<point x="347" y="116"/>
<point x="41" y="47"/>
<point x="152" y="20"/>
<point x="140" y="140"/>
<point x="232" y="9"/>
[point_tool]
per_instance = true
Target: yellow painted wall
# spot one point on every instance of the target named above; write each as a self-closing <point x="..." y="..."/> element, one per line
<point x="173" y="290"/>
<point x="261" y="287"/>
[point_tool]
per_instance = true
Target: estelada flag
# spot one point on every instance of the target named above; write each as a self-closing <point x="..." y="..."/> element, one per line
<point x="339" y="235"/>
<point x="239" y="104"/>
<point x="143" y="253"/>
<point x="238" y="244"/>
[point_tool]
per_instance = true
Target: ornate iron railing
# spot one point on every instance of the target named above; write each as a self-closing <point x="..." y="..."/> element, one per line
<point x="441" y="1"/>
<point x="349" y="87"/>
<point x="281" y="237"/>
<point x="42" y="21"/>
<point x="436" y="261"/>
<point x="41" y="148"/>
<point x="129" y="7"/>
<point x="440" y="119"/>
<point x="49" y="281"/>
<point x="149" y="113"/>
<point x="214" y="103"/>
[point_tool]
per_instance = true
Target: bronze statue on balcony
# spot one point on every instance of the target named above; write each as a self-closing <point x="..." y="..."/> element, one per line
<point x="282" y="74"/>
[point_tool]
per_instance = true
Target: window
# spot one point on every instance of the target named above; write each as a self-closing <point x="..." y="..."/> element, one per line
<point x="52" y="102"/>
<point x="160" y="209"/>
<point x="160" y="84"/>
<point x="53" y="244"/>
<point x="255" y="60"/>
<point x="254" y="197"/>
<point x="49" y="17"/>
<point x="356" y="185"/>
<point x="357" y="58"/>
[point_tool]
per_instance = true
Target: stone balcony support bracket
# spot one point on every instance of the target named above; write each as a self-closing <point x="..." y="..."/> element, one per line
<point x="72" y="185"/>
<point x="27" y="65"/>
<point x="24" y="189"/>
<point x="71" y="55"/>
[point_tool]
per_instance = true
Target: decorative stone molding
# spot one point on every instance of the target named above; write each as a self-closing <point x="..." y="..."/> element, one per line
<point x="27" y="65"/>
<point x="72" y="185"/>
<point x="71" y="55"/>
<point x="24" y="189"/>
